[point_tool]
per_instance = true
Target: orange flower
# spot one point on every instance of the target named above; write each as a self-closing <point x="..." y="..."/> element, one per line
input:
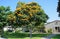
<point x="16" y="13"/>
<point x="14" y="17"/>
<point x="30" y="14"/>
<point x="23" y="19"/>
<point x="18" y="8"/>
<point x="20" y="14"/>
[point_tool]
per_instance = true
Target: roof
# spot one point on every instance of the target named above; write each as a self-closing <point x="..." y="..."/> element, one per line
<point x="53" y="21"/>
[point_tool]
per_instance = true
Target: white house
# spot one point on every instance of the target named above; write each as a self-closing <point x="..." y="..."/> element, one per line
<point x="54" y="26"/>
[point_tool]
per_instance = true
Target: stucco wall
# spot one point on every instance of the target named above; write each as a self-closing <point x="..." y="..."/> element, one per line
<point x="52" y="26"/>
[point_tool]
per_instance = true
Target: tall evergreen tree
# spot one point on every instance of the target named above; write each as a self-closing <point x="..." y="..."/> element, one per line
<point x="58" y="8"/>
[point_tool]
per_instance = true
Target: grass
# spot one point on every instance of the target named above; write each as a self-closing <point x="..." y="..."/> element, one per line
<point x="26" y="38"/>
<point x="23" y="35"/>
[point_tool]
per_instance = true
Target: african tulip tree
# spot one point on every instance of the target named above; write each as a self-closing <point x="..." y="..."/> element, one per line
<point x="11" y="19"/>
<point x="31" y="15"/>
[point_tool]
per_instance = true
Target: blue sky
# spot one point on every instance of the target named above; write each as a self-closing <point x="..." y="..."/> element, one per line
<point x="49" y="6"/>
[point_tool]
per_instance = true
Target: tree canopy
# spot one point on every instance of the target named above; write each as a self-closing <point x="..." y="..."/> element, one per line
<point x="30" y="13"/>
<point x="3" y="17"/>
<point x="26" y="14"/>
<point x="3" y="12"/>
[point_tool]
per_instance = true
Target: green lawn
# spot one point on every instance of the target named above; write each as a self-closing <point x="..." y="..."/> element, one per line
<point x="26" y="38"/>
<point x="23" y="35"/>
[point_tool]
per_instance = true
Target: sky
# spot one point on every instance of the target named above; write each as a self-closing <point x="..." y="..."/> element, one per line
<point x="49" y="6"/>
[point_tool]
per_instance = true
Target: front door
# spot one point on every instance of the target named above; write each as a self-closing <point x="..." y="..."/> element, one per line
<point x="57" y="29"/>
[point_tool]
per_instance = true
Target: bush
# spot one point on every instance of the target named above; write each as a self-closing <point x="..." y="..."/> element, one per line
<point x="50" y="31"/>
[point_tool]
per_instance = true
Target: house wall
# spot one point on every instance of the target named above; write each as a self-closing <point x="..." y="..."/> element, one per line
<point x="52" y="26"/>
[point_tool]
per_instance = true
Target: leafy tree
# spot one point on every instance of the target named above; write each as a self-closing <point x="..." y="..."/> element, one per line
<point x="30" y="15"/>
<point x="19" y="4"/>
<point x="58" y="8"/>
<point x="3" y="11"/>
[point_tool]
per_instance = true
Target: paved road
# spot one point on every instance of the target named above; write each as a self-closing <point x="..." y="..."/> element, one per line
<point x="49" y="37"/>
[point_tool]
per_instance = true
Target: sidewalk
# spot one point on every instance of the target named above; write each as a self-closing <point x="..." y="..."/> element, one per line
<point x="49" y="37"/>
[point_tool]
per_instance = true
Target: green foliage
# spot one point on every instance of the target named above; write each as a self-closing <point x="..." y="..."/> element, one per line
<point x="30" y="13"/>
<point x="50" y="31"/>
<point x="19" y="4"/>
<point x="3" y="11"/>
<point x="3" y="18"/>
<point x="22" y="35"/>
<point x="26" y="14"/>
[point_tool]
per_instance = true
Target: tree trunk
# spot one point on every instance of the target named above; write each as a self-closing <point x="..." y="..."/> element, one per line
<point x="30" y="33"/>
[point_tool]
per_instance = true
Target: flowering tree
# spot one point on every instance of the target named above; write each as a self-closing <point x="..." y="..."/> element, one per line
<point x="31" y="15"/>
<point x="11" y="19"/>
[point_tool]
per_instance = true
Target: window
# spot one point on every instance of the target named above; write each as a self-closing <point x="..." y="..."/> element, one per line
<point x="56" y="28"/>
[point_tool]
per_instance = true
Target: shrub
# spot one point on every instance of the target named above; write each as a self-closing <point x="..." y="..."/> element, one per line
<point x="50" y="31"/>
